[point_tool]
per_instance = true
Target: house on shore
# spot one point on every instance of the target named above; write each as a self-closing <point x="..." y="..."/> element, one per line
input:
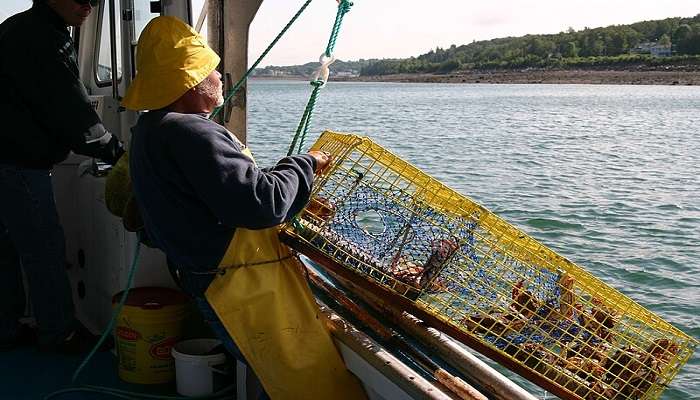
<point x="654" y="48"/>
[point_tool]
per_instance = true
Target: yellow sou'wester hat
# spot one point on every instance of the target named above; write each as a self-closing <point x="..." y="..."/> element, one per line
<point x="171" y="59"/>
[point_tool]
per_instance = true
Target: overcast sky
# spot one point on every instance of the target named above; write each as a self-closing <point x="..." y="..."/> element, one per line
<point x="404" y="28"/>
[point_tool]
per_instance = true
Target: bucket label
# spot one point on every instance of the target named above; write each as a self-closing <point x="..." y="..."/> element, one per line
<point x="126" y="333"/>
<point x="161" y="349"/>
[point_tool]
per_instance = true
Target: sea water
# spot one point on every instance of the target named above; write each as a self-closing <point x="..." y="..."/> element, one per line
<point x="608" y="176"/>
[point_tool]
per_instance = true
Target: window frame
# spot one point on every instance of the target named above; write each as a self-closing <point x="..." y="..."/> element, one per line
<point x="98" y="40"/>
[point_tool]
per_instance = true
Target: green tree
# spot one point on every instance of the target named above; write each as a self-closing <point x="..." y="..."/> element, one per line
<point x="693" y="42"/>
<point x="568" y="49"/>
<point x="541" y="47"/>
<point x="589" y="47"/>
<point x="682" y="38"/>
<point x="448" y="66"/>
<point x="616" y="43"/>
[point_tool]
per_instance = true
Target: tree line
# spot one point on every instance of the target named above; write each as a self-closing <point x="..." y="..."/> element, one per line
<point x="597" y="47"/>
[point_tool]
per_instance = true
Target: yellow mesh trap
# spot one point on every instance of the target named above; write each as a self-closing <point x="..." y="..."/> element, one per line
<point x="482" y="280"/>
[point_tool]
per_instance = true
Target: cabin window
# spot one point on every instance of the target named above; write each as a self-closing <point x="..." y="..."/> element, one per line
<point x="200" y="16"/>
<point x="103" y="53"/>
<point x="142" y="16"/>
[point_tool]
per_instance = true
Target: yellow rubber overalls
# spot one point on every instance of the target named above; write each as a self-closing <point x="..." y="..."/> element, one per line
<point x="268" y="309"/>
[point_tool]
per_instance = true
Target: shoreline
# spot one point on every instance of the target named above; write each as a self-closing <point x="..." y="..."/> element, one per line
<point x="588" y="77"/>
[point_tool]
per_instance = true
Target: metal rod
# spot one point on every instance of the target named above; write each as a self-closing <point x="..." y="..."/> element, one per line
<point x="113" y="50"/>
<point x="394" y="370"/>
<point x="491" y="380"/>
<point x="455" y="384"/>
<point x="202" y="16"/>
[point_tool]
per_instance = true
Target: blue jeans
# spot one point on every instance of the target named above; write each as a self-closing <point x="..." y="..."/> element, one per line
<point x="210" y="317"/>
<point x="31" y="239"/>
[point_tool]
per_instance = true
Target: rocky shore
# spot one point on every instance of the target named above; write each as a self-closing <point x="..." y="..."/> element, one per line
<point x="669" y="76"/>
<point x="661" y="76"/>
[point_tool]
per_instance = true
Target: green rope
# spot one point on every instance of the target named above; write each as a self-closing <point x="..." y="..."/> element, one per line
<point x="303" y="128"/>
<point x="75" y="390"/>
<point x="240" y="82"/>
<point x="343" y="8"/>
<point x="124" y="394"/>
<point x="115" y="314"/>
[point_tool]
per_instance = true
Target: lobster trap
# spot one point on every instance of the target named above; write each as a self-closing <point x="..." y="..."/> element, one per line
<point x="379" y="221"/>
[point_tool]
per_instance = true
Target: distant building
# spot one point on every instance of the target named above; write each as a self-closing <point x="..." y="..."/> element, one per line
<point x="660" y="51"/>
<point x="653" y="48"/>
<point x="276" y="72"/>
<point x="346" y="74"/>
<point x="269" y="72"/>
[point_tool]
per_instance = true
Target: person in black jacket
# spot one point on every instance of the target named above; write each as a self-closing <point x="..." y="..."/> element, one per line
<point x="45" y="114"/>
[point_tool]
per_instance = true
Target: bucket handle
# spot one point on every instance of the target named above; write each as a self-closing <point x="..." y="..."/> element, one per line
<point x="220" y="371"/>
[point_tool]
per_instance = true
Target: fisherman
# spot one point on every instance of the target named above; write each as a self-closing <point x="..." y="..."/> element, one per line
<point x="213" y="211"/>
<point x="45" y="113"/>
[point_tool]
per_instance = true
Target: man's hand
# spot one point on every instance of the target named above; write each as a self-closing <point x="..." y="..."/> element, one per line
<point x="323" y="160"/>
<point x="110" y="152"/>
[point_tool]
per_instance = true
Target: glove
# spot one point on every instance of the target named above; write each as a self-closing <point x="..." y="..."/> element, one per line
<point x="87" y="167"/>
<point x="110" y="152"/>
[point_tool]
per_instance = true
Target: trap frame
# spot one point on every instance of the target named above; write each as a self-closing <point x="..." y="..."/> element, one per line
<point x="382" y="223"/>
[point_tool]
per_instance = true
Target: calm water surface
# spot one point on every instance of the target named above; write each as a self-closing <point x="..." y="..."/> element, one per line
<point x="605" y="175"/>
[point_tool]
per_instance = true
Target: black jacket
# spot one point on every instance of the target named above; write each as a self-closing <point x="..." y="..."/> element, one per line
<point x="44" y="109"/>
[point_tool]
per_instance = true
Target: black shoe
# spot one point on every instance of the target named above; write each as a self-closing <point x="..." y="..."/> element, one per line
<point x="25" y="337"/>
<point x="80" y="341"/>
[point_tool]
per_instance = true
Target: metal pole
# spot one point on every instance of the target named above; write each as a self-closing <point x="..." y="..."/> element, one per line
<point x="390" y="367"/>
<point x="202" y="16"/>
<point x="457" y="356"/>
<point x="228" y="25"/>
<point x="113" y="51"/>
<point x="453" y="383"/>
<point x="467" y="363"/>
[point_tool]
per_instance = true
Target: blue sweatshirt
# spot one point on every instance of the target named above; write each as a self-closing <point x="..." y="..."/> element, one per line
<point x="194" y="187"/>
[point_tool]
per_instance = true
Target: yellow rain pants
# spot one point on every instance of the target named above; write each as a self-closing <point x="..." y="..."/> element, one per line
<point x="268" y="309"/>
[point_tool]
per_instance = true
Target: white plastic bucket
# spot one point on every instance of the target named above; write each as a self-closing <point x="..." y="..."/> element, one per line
<point x="193" y="368"/>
